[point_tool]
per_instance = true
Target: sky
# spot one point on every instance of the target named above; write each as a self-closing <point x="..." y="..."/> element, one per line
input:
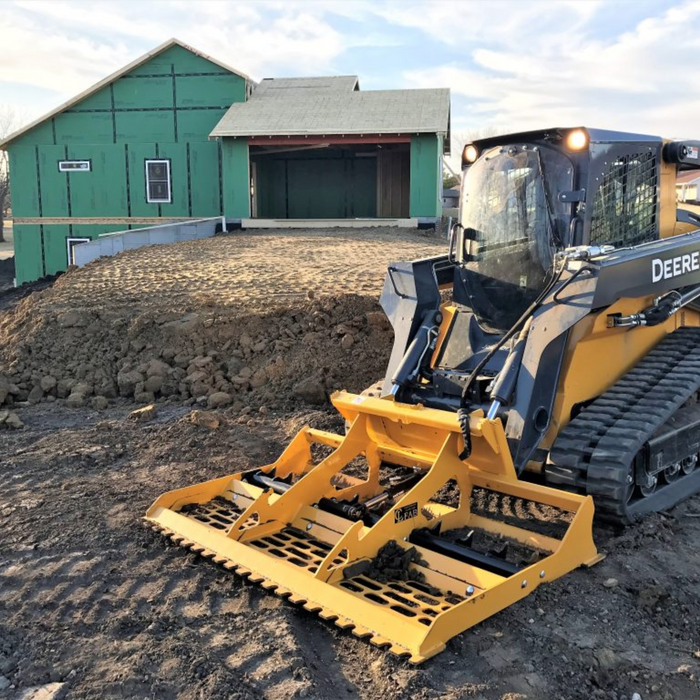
<point x="511" y="65"/>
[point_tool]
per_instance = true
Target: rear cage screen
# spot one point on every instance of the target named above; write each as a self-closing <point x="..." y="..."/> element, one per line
<point x="625" y="204"/>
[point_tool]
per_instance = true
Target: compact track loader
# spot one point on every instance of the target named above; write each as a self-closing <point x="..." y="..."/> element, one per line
<point x="548" y="363"/>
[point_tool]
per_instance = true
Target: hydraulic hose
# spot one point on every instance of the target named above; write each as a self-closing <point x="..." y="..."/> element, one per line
<point x="662" y="309"/>
<point x="463" y="412"/>
<point x="416" y="356"/>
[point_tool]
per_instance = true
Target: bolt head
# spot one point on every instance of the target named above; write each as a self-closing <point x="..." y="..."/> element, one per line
<point x="308" y="526"/>
<point x="524" y="584"/>
<point x="542" y="573"/>
<point x="470" y="590"/>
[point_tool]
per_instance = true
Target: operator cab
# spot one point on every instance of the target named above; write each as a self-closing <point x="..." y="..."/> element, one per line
<point x="512" y="222"/>
<point x="525" y="197"/>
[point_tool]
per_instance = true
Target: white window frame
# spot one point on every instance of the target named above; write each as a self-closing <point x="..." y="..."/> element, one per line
<point x="68" y="166"/>
<point x="152" y="200"/>
<point x="75" y="240"/>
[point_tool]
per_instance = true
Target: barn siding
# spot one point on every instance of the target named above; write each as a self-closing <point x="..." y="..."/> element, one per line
<point x="426" y="178"/>
<point x="164" y="108"/>
<point x="235" y="175"/>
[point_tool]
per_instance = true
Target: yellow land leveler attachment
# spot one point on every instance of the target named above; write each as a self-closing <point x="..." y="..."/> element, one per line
<point x="387" y="532"/>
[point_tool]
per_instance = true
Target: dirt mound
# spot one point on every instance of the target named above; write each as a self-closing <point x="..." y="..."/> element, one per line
<point x="242" y="320"/>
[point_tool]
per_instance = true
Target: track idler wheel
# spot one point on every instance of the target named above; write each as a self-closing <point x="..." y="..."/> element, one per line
<point x="672" y="473"/>
<point x="689" y="464"/>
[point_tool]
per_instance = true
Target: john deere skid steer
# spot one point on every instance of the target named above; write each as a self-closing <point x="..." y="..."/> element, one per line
<point x="547" y="364"/>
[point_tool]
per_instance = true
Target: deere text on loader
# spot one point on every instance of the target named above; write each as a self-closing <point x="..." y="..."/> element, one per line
<point x="548" y="363"/>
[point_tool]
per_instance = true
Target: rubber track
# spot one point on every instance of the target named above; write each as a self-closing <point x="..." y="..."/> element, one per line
<point x="595" y="451"/>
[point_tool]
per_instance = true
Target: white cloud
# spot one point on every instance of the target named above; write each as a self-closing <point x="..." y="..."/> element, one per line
<point x="81" y="44"/>
<point x="463" y="24"/>
<point x="291" y="43"/>
<point x="639" y="80"/>
<point x="57" y="62"/>
<point x="511" y="64"/>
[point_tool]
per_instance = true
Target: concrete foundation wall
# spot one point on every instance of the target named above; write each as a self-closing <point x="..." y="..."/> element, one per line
<point x="113" y="243"/>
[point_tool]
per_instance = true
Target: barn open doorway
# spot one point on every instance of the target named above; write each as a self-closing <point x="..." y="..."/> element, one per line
<point x="330" y="181"/>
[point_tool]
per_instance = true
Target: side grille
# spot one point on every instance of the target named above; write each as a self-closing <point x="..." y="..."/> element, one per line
<point x="625" y="205"/>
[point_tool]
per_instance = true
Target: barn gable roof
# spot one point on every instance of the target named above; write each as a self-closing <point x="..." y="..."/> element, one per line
<point x="114" y="77"/>
<point x="336" y="108"/>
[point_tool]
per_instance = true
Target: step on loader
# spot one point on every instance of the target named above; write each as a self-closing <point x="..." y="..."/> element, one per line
<point x="548" y="365"/>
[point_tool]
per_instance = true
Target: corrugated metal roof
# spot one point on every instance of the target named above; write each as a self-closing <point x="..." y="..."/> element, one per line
<point x="274" y="87"/>
<point x="302" y="112"/>
<point x="115" y="76"/>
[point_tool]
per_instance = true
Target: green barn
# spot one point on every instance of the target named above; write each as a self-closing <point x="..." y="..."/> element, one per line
<point x="177" y="135"/>
<point x="319" y="148"/>
<point x="132" y="151"/>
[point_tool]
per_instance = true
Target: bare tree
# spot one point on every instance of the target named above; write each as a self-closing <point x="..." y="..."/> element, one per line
<point x="461" y="138"/>
<point x="9" y="122"/>
<point x="451" y="175"/>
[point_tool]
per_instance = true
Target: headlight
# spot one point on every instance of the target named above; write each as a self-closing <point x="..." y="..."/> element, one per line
<point x="469" y="154"/>
<point x="576" y="140"/>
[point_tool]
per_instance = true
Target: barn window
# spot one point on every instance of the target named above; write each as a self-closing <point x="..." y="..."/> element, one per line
<point x="74" y="166"/>
<point x="158" y="186"/>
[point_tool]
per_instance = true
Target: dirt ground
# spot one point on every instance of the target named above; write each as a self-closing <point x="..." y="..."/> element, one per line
<point x="257" y="271"/>
<point x="93" y="600"/>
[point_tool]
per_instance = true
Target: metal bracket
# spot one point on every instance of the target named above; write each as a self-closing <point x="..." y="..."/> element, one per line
<point x="391" y="271"/>
<point x="572" y="196"/>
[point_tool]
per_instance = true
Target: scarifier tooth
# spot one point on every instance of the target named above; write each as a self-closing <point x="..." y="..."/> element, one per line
<point x="218" y="559"/>
<point x="283" y="592"/>
<point x="380" y="642"/>
<point x="243" y="573"/>
<point x="187" y="543"/>
<point x="256" y="578"/>
<point x="361" y="632"/>
<point x="326" y="614"/>
<point x="399" y="651"/>
<point x="269" y="585"/>
<point x="312" y="607"/>
<point x="197" y="548"/>
<point x="344" y="623"/>
<point x="177" y="539"/>
<point x="296" y="599"/>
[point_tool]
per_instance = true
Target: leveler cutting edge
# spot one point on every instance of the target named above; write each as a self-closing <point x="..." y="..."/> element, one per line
<point x="547" y="365"/>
